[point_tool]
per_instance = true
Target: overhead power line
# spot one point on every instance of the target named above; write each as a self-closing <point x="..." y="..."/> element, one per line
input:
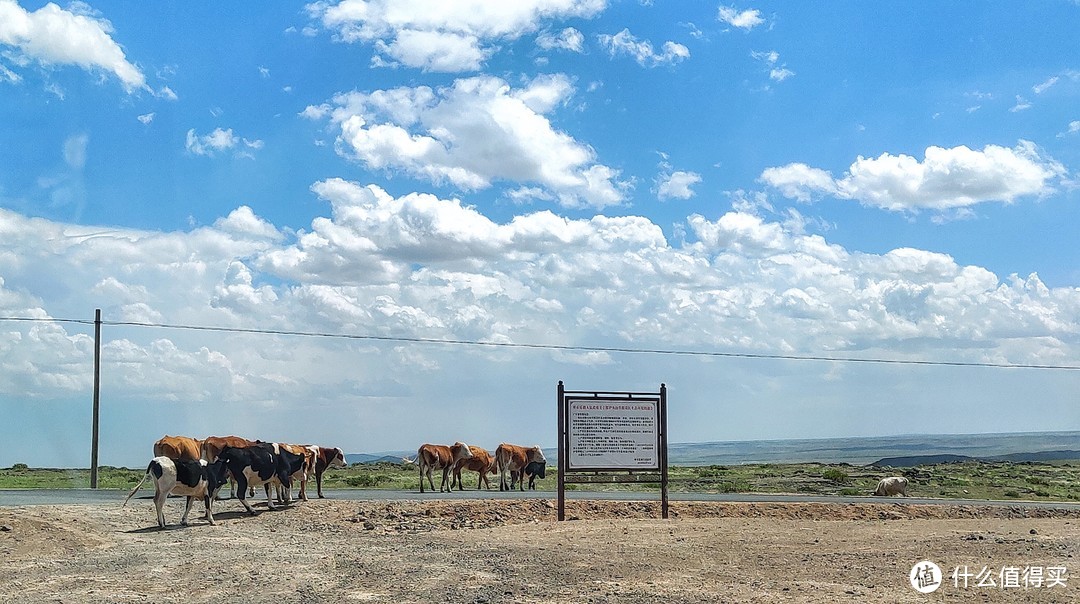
<point x="609" y="349"/>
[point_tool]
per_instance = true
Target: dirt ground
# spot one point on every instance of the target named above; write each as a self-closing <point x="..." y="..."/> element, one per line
<point x="491" y="551"/>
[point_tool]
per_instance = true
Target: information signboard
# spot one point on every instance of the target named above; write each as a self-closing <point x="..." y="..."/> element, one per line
<point x="612" y="437"/>
<point x="613" y="434"/>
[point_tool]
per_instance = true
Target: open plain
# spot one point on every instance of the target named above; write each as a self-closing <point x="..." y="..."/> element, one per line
<point x="489" y="551"/>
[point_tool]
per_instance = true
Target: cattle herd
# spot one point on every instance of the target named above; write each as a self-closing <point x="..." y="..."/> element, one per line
<point x="513" y="463"/>
<point x="199" y="468"/>
<point x="194" y="468"/>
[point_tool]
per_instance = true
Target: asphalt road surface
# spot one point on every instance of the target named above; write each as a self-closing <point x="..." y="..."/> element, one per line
<point x="21" y="497"/>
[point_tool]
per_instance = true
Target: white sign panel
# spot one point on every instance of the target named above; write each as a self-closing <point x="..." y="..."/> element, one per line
<point x="619" y="435"/>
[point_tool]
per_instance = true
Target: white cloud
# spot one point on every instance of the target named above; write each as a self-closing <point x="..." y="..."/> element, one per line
<point x="747" y="19"/>
<point x="677" y="185"/>
<point x="777" y="72"/>
<point x="471" y="134"/>
<point x="1041" y="88"/>
<point x="568" y="39"/>
<point x="75" y="150"/>
<point x="54" y="36"/>
<point x="1022" y="104"/>
<point x="945" y="179"/>
<point x="218" y="141"/>
<point x="441" y="36"/>
<point x="147" y="118"/>
<point x="418" y="266"/>
<point x="624" y="43"/>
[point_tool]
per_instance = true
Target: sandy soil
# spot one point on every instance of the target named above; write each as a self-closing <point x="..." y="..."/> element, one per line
<point x="488" y="551"/>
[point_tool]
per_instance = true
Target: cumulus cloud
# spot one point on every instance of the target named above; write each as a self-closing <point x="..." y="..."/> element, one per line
<point x="470" y="134"/>
<point x="54" y="36"/>
<point x="220" y="140"/>
<point x="442" y="37"/>
<point x="383" y="267"/>
<point x="568" y="39"/>
<point x="746" y="19"/>
<point x="642" y="51"/>
<point x="946" y="178"/>
<point x="677" y="185"/>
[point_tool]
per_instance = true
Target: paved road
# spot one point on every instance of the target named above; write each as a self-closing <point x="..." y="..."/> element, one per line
<point x="19" y="497"/>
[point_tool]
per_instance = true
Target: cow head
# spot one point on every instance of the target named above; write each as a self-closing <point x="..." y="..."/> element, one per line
<point x="217" y="474"/>
<point x="461" y="450"/>
<point x="536" y="454"/>
<point x="337" y="458"/>
<point x="538" y="469"/>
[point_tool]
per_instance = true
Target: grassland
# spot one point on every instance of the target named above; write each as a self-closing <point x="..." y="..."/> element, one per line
<point x="969" y="480"/>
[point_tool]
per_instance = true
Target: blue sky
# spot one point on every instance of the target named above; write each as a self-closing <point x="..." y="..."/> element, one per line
<point x="840" y="179"/>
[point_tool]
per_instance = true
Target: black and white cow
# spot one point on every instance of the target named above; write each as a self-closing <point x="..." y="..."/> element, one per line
<point x="183" y="477"/>
<point x="533" y="469"/>
<point x="259" y="464"/>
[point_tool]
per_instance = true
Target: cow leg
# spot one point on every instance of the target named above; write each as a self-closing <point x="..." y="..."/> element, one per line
<point x="159" y="504"/>
<point x="241" y="491"/>
<point x="269" y="501"/>
<point x="318" y="483"/>
<point x="445" y="475"/>
<point x="208" y="503"/>
<point x="187" y="509"/>
<point x="303" y="488"/>
<point x="232" y="489"/>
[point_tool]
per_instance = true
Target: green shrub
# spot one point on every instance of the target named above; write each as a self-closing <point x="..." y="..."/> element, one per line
<point x="836" y="475"/>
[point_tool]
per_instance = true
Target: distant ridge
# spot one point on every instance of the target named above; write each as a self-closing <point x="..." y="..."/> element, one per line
<point x="856" y="450"/>
<point x="919" y="460"/>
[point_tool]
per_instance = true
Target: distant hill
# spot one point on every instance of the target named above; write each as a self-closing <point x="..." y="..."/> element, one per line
<point x="919" y="460"/>
<point x="366" y="458"/>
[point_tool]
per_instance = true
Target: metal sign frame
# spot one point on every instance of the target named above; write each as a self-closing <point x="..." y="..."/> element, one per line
<point x="613" y="472"/>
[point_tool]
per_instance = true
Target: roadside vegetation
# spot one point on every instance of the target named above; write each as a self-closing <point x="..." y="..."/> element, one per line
<point x="1037" y="481"/>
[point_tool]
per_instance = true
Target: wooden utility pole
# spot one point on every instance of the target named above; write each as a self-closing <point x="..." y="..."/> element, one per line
<point x="97" y="400"/>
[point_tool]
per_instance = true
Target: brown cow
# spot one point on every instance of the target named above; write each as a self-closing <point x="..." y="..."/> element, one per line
<point x="481" y="462"/>
<point x="435" y="457"/>
<point x="513" y="458"/>
<point x="178" y="447"/>
<point x="212" y="446"/>
<point x="326" y="457"/>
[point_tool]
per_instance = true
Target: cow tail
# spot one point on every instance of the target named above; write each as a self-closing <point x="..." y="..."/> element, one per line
<point x="145" y="476"/>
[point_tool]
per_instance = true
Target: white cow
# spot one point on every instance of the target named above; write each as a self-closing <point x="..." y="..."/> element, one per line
<point x="893" y="485"/>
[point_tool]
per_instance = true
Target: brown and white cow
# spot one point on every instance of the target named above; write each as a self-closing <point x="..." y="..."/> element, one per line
<point x="178" y="447"/>
<point x="183" y="477"/>
<point x="326" y="457"/>
<point x="514" y="458"/>
<point x="482" y="462"/>
<point x="212" y="447"/>
<point x="440" y="457"/>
